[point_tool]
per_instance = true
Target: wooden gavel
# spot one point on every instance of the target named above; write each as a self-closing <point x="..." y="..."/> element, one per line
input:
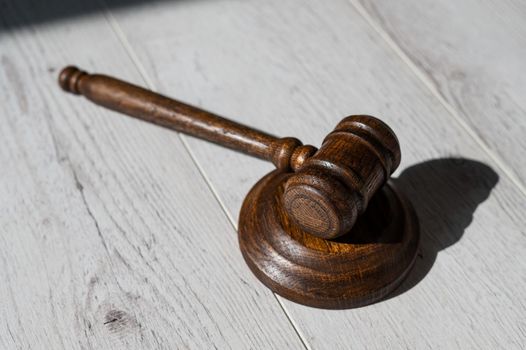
<point x="320" y="193"/>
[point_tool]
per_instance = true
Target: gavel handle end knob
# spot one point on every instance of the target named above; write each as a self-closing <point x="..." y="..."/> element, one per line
<point x="69" y="79"/>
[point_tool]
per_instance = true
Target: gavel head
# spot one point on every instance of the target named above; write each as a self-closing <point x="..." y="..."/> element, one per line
<point x="332" y="187"/>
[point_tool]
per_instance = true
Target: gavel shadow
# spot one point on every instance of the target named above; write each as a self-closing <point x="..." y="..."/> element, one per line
<point x="445" y="194"/>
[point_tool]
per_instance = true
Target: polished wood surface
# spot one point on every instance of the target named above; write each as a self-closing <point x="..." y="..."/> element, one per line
<point x="351" y="271"/>
<point x="332" y="185"/>
<point x="321" y="192"/>
<point x="155" y="108"/>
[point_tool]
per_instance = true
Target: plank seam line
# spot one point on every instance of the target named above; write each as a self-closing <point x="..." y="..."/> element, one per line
<point x="500" y="163"/>
<point x="142" y="72"/>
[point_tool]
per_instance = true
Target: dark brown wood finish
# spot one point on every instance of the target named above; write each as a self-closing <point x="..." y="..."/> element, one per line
<point x="351" y="271"/>
<point x="144" y="104"/>
<point x="304" y="229"/>
<point x="330" y="189"/>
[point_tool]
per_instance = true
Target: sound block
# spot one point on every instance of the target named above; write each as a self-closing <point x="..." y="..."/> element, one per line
<point x="356" y="269"/>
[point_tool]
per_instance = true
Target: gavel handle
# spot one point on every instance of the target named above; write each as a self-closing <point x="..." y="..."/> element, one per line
<point x="144" y="104"/>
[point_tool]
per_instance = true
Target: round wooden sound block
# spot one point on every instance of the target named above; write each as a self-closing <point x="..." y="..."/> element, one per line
<point x="353" y="270"/>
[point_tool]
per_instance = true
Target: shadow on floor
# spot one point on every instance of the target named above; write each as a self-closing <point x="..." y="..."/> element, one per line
<point x="15" y="14"/>
<point x="445" y="193"/>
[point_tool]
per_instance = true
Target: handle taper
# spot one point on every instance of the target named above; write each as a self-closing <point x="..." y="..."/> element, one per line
<point x="147" y="105"/>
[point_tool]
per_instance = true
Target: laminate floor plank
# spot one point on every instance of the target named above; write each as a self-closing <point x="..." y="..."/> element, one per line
<point x="110" y="236"/>
<point x="296" y="68"/>
<point x="473" y="55"/>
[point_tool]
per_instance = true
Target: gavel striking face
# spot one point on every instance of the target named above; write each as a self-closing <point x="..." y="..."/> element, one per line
<point x="333" y="186"/>
<point x="314" y="197"/>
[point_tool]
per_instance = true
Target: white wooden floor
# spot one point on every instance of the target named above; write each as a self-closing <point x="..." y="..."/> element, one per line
<point x="116" y="234"/>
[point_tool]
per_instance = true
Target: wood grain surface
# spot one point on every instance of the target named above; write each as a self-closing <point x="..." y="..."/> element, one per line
<point x="111" y="238"/>
<point x="289" y="217"/>
<point x="354" y="270"/>
<point x="472" y="56"/>
<point x="102" y="246"/>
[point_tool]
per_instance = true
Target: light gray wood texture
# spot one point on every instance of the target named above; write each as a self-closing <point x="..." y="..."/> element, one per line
<point x="472" y="55"/>
<point x="111" y="238"/>
<point x="96" y="216"/>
